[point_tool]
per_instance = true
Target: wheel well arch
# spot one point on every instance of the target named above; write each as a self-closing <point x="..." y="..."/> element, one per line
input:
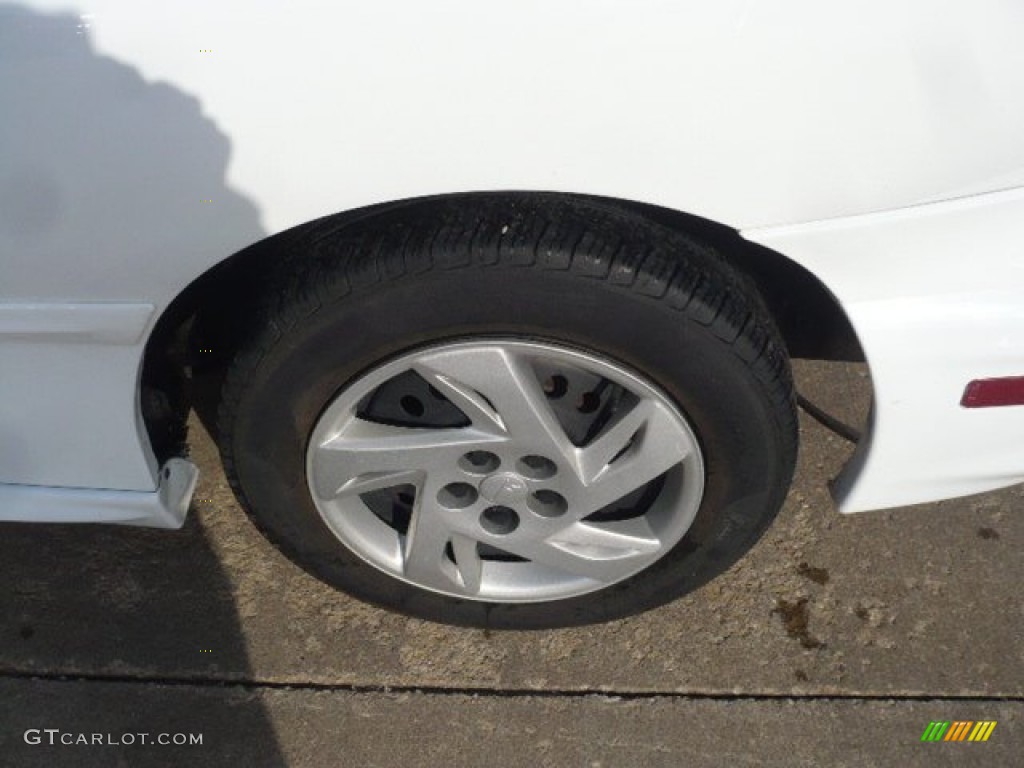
<point x="810" y="318"/>
<point x="197" y="334"/>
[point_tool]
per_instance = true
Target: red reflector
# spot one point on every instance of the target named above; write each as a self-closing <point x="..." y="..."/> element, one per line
<point x="987" y="393"/>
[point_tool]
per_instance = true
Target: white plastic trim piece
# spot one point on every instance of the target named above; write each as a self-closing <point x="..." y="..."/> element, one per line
<point x="69" y="381"/>
<point x="166" y="507"/>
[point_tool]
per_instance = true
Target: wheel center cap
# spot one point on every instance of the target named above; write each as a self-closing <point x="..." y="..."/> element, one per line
<point x="504" y="488"/>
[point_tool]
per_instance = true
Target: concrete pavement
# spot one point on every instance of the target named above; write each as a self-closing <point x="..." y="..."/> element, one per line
<point x="398" y="730"/>
<point x="835" y="641"/>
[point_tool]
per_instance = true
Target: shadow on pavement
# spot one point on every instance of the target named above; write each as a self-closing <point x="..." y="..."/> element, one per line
<point x="95" y="159"/>
<point x="112" y="605"/>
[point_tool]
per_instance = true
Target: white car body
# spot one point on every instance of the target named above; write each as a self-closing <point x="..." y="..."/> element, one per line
<point x="876" y="144"/>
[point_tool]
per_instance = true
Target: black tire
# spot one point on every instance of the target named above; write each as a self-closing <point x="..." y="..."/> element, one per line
<point x="581" y="273"/>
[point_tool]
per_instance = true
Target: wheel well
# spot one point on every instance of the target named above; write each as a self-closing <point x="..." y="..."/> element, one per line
<point x="196" y="337"/>
<point x="812" y="322"/>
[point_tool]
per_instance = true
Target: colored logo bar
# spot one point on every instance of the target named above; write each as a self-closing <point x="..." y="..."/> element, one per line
<point x="958" y="730"/>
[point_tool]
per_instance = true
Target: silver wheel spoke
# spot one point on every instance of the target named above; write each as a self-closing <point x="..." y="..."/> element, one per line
<point x="367" y="456"/>
<point x="656" y="447"/>
<point x="594" y="460"/>
<point x="468" y="562"/>
<point x="597" y="551"/>
<point x="369" y="481"/>
<point x="424" y="557"/>
<point x="477" y="409"/>
<point x="507" y="380"/>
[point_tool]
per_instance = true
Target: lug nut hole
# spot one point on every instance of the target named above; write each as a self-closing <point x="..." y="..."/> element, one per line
<point x="536" y="467"/>
<point x="499" y="520"/>
<point x="547" y="503"/>
<point x="479" y="462"/>
<point x="457" y="496"/>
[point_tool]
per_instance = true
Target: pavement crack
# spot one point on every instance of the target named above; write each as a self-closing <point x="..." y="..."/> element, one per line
<point x="608" y="694"/>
